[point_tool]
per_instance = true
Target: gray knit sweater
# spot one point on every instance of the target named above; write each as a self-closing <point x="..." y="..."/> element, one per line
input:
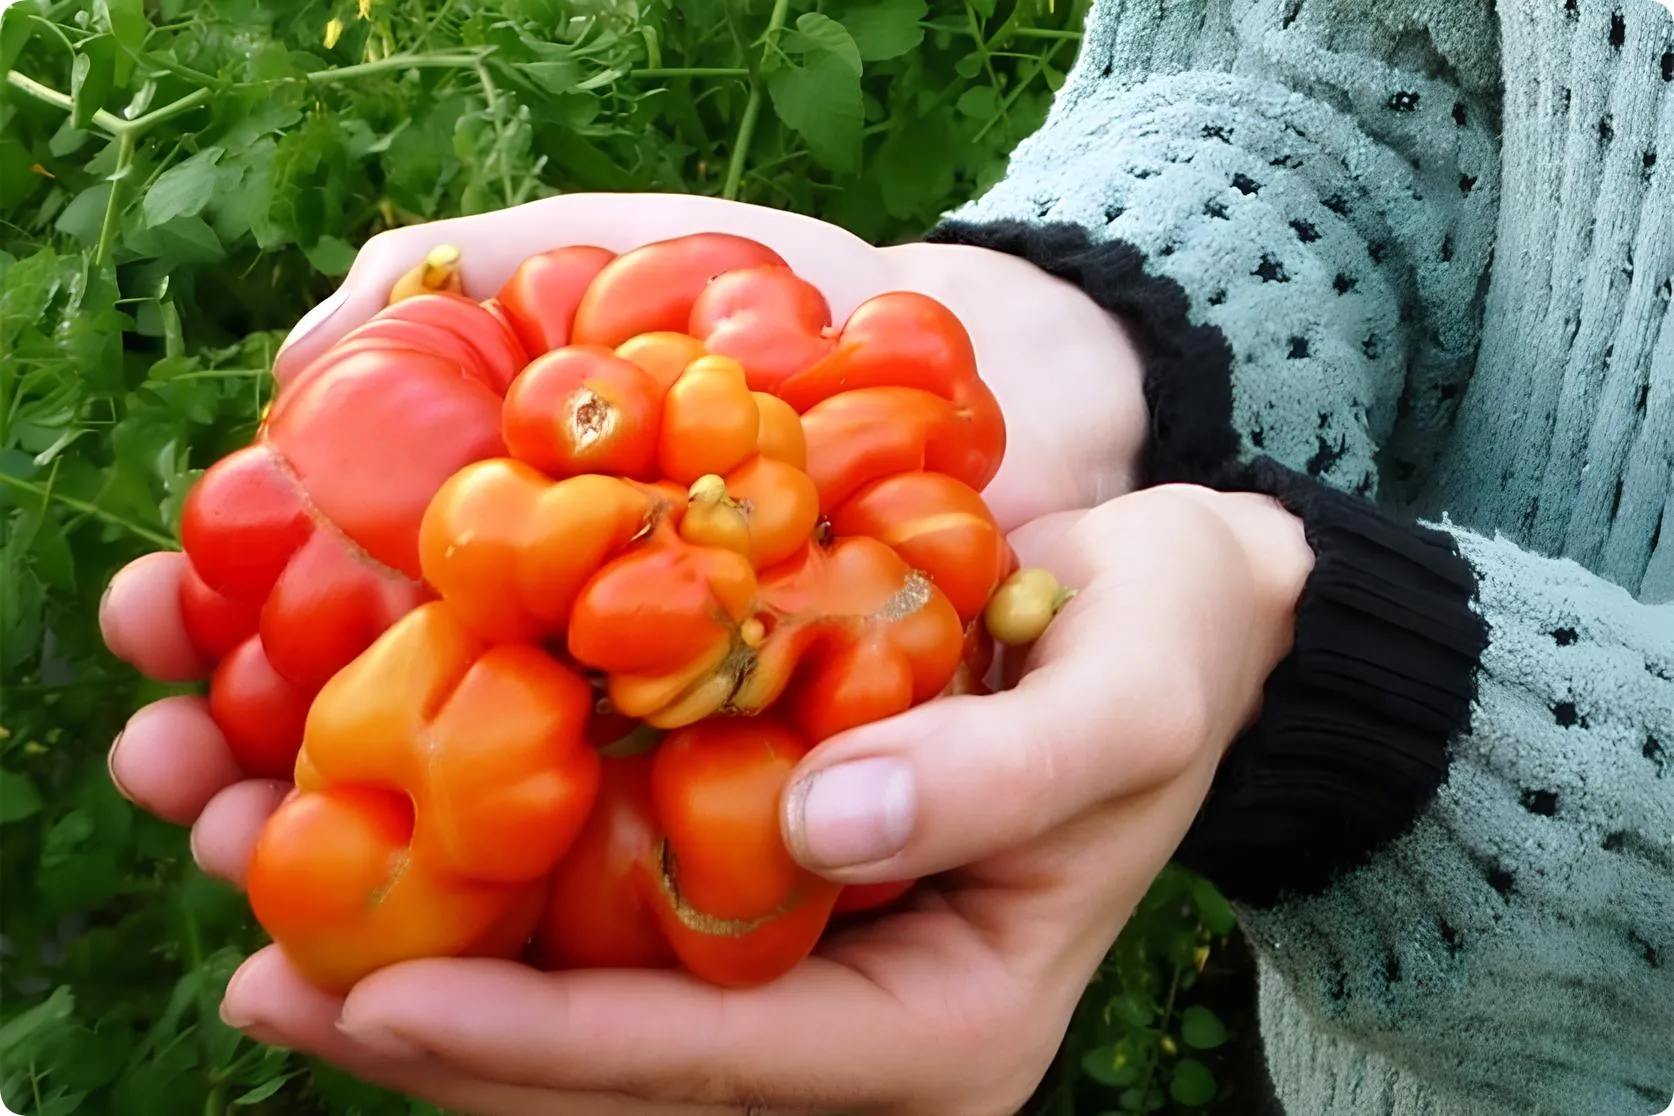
<point x="1408" y="265"/>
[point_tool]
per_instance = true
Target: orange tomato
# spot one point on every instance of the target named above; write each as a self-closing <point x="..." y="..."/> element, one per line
<point x="735" y="906"/>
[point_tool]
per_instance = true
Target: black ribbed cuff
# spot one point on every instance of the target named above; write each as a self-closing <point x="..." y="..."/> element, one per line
<point x="1357" y="722"/>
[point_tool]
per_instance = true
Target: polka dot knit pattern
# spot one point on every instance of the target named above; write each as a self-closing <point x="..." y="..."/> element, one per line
<point x="1409" y="268"/>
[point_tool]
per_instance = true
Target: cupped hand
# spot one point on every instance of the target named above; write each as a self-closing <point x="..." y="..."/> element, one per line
<point x="1048" y="808"/>
<point x="1066" y="376"/>
<point x="1069" y="383"/>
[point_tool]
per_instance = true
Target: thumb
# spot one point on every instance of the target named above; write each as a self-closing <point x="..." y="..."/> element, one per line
<point x="960" y="779"/>
<point x="1135" y="684"/>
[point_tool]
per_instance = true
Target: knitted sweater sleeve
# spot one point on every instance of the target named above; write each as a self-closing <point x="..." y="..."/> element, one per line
<point x="1449" y="835"/>
<point x="1303" y="191"/>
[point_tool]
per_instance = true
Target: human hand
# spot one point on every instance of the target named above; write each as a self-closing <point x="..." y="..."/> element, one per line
<point x="1051" y="806"/>
<point x="1064" y="373"/>
<point x="1074" y="437"/>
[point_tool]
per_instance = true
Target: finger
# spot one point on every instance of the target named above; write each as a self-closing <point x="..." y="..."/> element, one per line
<point x="171" y="759"/>
<point x="668" y="1037"/>
<point x="227" y="830"/>
<point x="141" y="623"/>
<point x="493" y="244"/>
<point x="270" y="1001"/>
<point x="1110" y="705"/>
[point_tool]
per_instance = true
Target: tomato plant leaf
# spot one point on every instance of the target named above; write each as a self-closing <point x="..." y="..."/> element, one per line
<point x="184" y="189"/>
<point x="819" y="97"/>
<point x="17" y="25"/>
<point x="887" y="28"/>
<point x="18" y="797"/>
<point x="1193" y="1084"/>
<point x="1112" y="1065"/>
<point x="1202" y="1028"/>
<point x="820" y="34"/>
<point x="1212" y="907"/>
<point x="92" y="75"/>
<point x="263" y="1091"/>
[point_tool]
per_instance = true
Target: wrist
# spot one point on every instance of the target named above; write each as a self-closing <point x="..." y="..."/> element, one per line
<point x="1279" y="558"/>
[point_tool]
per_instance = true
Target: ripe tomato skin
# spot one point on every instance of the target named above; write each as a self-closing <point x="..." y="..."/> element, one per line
<point x="333" y="881"/>
<point x="241" y="522"/>
<point x="769" y="319"/>
<point x="710" y="423"/>
<point x="733" y="902"/>
<point x="868" y="434"/>
<point x="583" y="409"/>
<point x="652" y="288"/>
<point x="509" y="549"/>
<point x="888" y="638"/>
<point x="311" y="529"/>
<point x="667" y="469"/>
<point x="440" y="782"/>
<point x="661" y="355"/>
<point x="939" y="525"/>
<point x="908" y="340"/>
<point x="215" y="624"/>
<point x="259" y="712"/>
<point x="599" y="911"/>
<point x="860" y="898"/>
<point x="541" y="296"/>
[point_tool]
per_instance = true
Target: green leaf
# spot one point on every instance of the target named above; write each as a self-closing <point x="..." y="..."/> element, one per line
<point x="54" y="562"/>
<point x="18" y="797"/>
<point x="1202" y="1028"/>
<point x="127" y="22"/>
<point x="1112" y="1065"/>
<point x="1135" y="1007"/>
<point x="979" y="101"/>
<point x="1213" y="908"/>
<point x="92" y="75"/>
<point x="16" y="28"/>
<point x="27" y="1024"/>
<point x="331" y="256"/>
<point x="983" y="8"/>
<point x="82" y="218"/>
<point x="182" y="241"/>
<point x="263" y="1091"/>
<point x="914" y="167"/>
<point x="969" y="66"/>
<point x="820" y="34"/>
<point x="819" y="98"/>
<point x="1193" y="1084"/>
<point x="184" y="189"/>
<point x="886" y="28"/>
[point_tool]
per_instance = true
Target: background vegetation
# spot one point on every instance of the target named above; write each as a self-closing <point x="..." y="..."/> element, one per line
<point x="179" y="182"/>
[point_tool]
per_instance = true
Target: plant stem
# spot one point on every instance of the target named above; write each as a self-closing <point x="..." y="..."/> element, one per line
<point x="187" y="103"/>
<point x="752" y="107"/>
<point x="156" y="538"/>
<point x="113" y="204"/>
<point x="111" y="124"/>
<point x="691" y="72"/>
<point x="399" y="62"/>
<point x="1015" y="32"/>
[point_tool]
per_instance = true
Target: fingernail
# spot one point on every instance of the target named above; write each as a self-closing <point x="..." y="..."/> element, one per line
<point x="110" y="766"/>
<point x="380" y="1041"/>
<point x="231" y="1014"/>
<point x="854" y="813"/>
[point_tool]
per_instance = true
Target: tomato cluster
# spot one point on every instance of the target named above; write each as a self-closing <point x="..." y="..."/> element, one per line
<point x="540" y="599"/>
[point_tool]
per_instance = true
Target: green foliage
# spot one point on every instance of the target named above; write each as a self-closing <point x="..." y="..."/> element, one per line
<point x="1139" y="1034"/>
<point x="179" y="182"/>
